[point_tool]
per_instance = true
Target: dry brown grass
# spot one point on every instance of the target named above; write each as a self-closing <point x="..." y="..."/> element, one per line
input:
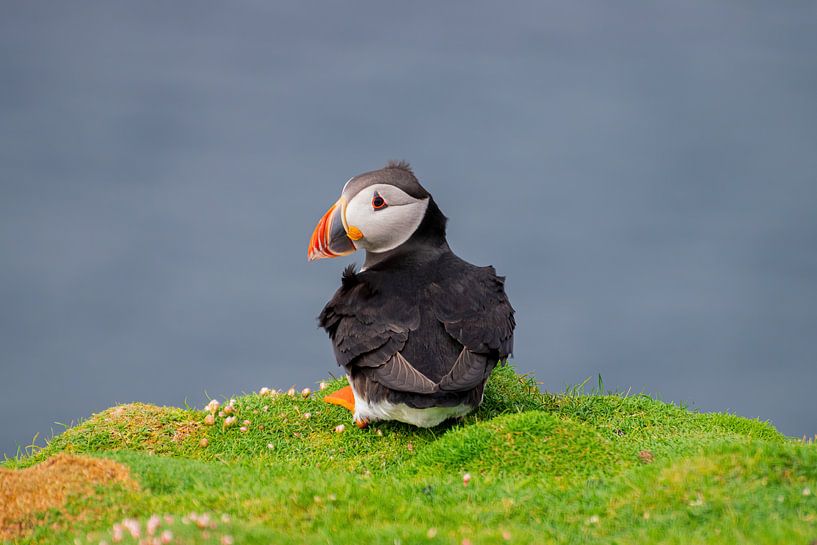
<point x="24" y="493"/>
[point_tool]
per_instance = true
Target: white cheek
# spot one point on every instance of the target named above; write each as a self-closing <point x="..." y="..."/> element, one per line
<point x="391" y="227"/>
<point x="385" y="229"/>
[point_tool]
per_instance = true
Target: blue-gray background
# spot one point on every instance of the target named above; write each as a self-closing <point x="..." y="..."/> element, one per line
<point x="643" y="173"/>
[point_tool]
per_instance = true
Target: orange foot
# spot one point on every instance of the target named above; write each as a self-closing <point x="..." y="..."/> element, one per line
<point x="343" y="397"/>
<point x="361" y="423"/>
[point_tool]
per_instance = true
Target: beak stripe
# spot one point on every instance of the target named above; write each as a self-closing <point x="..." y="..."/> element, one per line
<point x="329" y="239"/>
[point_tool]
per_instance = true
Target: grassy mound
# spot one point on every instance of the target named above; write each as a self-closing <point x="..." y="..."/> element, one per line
<point x="529" y="443"/>
<point x="541" y="468"/>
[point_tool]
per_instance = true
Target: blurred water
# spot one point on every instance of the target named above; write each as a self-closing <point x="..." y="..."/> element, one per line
<point x="643" y="174"/>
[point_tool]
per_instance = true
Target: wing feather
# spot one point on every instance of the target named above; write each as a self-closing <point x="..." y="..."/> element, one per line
<point x="398" y="374"/>
<point x="469" y="371"/>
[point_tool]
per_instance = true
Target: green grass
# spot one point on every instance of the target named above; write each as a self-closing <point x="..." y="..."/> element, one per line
<point x="545" y="468"/>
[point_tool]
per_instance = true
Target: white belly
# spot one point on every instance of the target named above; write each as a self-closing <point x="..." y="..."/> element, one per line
<point x="423" y="418"/>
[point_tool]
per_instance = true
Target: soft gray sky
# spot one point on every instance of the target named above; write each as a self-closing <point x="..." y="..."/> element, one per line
<point x="644" y="173"/>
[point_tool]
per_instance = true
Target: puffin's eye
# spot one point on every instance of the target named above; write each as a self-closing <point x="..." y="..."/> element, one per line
<point x="378" y="202"/>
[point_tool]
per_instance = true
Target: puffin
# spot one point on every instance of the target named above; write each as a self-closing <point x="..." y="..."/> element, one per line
<point x="417" y="329"/>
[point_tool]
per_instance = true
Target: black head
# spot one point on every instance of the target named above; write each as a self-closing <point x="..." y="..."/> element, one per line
<point x="379" y="211"/>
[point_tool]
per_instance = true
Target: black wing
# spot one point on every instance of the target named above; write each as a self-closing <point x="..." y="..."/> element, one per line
<point x="475" y="311"/>
<point x="366" y="328"/>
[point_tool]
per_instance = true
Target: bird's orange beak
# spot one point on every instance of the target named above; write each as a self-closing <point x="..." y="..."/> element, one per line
<point x="330" y="238"/>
